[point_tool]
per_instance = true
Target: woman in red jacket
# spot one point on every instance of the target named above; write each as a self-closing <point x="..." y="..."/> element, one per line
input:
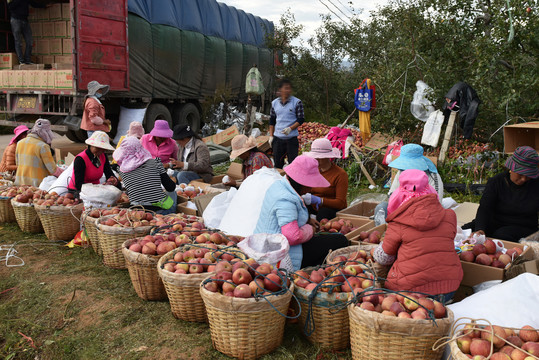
<point x="419" y="240"/>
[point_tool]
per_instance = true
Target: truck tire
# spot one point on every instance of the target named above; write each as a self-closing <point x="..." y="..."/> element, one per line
<point x="156" y="112"/>
<point x="187" y="114"/>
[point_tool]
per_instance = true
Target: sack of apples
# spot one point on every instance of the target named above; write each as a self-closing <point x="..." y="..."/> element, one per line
<point x="397" y="325"/>
<point x="247" y="307"/>
<point x="479" y="339"/>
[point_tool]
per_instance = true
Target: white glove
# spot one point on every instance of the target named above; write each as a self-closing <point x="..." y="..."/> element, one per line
<point x="270" y="141"/>
<point x="226" y="179"/>
<point x="307" y="198"/>
<point x="286" y="130"/>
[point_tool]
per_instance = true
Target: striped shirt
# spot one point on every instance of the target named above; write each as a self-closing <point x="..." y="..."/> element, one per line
<point x="143" y="184"/>
<point x="34" y="161"/>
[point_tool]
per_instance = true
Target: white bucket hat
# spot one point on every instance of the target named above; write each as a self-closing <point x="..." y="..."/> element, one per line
<point x="93" y="86"/>
<point x="100" y="140"/>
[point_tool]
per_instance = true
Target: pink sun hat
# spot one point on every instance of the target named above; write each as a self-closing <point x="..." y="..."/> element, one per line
<point x="21" y="129"/>
<point x="413" y="183"/>
<point x="161" y="129"/>
<point x="322" y="149"/>
<point x="304" y="171"/>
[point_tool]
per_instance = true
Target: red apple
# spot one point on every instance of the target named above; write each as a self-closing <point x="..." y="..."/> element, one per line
<point x="242" y="290"/>
<point x="273" y="282"/>
<point x="241" y="276"/>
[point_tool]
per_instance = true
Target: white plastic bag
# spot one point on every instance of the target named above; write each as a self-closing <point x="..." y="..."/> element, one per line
<point x="433" y="128"/>
<point x="127" y="116"/>
<point x="47" y="183"/>
<point x="60" y="185"/>
<point x="421" y="107"/>
<point x="268" y="248"/>
<point x="99" y="196"/>
<point x="217" y="208"/>
<point x="242" y="215"/>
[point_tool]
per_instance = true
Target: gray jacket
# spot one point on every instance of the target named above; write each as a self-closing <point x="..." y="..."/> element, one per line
<point x="198" y="160"/>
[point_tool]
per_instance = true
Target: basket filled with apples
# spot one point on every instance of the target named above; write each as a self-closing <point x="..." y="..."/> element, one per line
<point x="59" y="215"/>
<point x="479" y="339"/>
<point x="7" y="215"/>
<point x="24" y="210"/>
<point x="393" y="325"/>
<point x="88" y="219"/>
<point x="183" y="269"/>
<point x="247" y="306"/>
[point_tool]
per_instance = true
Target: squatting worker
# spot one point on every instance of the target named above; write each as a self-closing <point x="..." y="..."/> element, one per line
<point x="419" y="240"/>
<point x="34" y="157"/>
<point x="252" y="159"/>
<point x="20" y="27"/>
<point x="510" y="203"/>
<point x="326" y="201"/>
<point x="286" y="116"/>
<point x="93" y="117"/>
<point x="143" y="177"/>
<point x="193" y="157"/>
<point x="284" y="212"/>
<point x="159" y="142"/>
<point x="8" y="158"/>
<point x="90" y="165"/>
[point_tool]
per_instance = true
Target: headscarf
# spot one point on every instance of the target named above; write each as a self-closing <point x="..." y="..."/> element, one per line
<point x="524" y="161"/>
<point x="131" y="154"/>
<point x="42" y="128"/>
<point x="413" y="183"/>
<point x="135" y="129"/>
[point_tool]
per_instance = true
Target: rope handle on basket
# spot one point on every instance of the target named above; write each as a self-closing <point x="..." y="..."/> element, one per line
<point x="443" y="341"/>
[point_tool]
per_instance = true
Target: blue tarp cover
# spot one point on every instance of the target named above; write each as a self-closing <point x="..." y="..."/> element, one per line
<point x="208" y="17"/>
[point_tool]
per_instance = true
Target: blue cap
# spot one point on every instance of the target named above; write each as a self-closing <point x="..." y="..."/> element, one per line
<point x="411" y="157"/>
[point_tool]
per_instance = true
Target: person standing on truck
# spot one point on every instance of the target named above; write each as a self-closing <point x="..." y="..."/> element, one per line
<point x="8" y="158"/>
<point x="286" y="116"/>
<point x="34" y="156"/>
<point x="193" y="157"/>
<point x="93" y="118"/>
<point x="159" y="142"/>
<point x="20" y="27"/>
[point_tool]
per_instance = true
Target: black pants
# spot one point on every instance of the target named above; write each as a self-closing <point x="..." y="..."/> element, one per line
<point x="284" y="148"/>
<point x="508" y="233"/>
<point x="316" y="249"/>
<point x="326" y="213"/>
<point x="21" y="30"/>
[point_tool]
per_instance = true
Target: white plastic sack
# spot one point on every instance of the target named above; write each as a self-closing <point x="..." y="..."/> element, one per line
<point x="421" y="106"/>
<point x="99" y="196"/>
<point x="433" y="128"/>
<point x="217" y="208"/>
<point x="268" y="248"/>
<point x="46" y="184"/>
<point x="127" y="116"/>
<point x="60" y="185"/>
<point x="242" y="214"/>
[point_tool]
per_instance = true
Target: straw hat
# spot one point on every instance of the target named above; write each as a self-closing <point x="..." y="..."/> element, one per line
<point x="241" y="144"/>
<point x="100" y="140"/>
<point x="304" y="171"/>
<point x="322" y="149"/>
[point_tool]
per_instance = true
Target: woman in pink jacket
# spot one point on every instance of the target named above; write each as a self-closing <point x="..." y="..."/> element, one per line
<point x="419" y="240"/>
<point x="93" y="118"/>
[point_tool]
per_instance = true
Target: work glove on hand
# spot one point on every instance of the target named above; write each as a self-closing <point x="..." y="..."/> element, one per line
<point x="306" y="198"/>
<point x="316" y="202"/>
<point x="270" y="141"/>
<point x="286" y="130"/>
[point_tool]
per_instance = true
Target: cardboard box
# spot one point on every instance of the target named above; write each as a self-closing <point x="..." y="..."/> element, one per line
<point x="465" y="212"/>
<point x="262" y="143"/>
<point x="42" y="79"/>
<point x="61" y="29"/>
<point x="234" y="171"/>
<point x="37" y="29"/>
<point x="67" y="46"/>
<point x="47" y="29"/>
<point x="355" y="240"/>
<point x="42" y="47"/>
<point x="379" y="141"/>
<point x="63" y="79"/>
<point x="30" y="78"/>
<point x="66" y="11"/>
<point x="63" y="59"/>
<point x="358" y="223"/>
<point x="8" y="60"/>
<point x="476" y="274"/>
<point x="55" y="46"/>
<point x="361" y="209"/>
<point x="18" y="79"/>
<point x="5" y="78"/>
<point x="55" y="12"/>
<point x="42" y="14"/>
<point x="51" y="79"/>
<point x="521" y="268"/>
<point x="203" y="201"/>
<point x="521" y="135"/>
<point x="48" y="59"/>
<point x="182" y="208"/>
<point x="223" y="138"/>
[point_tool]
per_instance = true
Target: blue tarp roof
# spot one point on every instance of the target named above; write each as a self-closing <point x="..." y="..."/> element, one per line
<point x="208" y="17"/>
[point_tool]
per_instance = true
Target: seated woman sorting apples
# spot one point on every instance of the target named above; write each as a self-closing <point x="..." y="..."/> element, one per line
<point x="326" y="201"/>
<point x="143" y="176"/>
<point x="284" y="212"/>
<point x="252" y="159"/>
<point x="419" y="240"/>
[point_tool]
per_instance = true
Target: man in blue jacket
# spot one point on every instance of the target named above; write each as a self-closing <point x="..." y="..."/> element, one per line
<point x="286" y="116"/>
<point x="18" y="11"/>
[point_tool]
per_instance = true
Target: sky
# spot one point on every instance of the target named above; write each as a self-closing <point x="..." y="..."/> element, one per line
<point x="307" y="12"/>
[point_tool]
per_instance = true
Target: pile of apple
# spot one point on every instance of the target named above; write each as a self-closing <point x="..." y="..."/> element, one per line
<point x="402" y="305"/>
<point x="138" y="218"/>
<point x="53" y="199"/>
<point x="485" y="254"/>
<point x="371" y="237"/>
<point x="335" y="279"/>
<point x="475" y="341"/>
<point x="342" y="226"/>
<point x="310" y="131"/>
<point x="24" y="193"/>
<point x="246" y="279"/>
<point x="189" y="191"/>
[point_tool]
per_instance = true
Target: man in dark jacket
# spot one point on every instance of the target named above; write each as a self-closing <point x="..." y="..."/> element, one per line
<point x="18" y="10"/>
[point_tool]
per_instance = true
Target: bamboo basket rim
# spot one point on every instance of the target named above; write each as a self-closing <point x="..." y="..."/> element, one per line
<point x="139" y="258"/>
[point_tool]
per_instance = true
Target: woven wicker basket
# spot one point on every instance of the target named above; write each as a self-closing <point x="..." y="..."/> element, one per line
<point x="7" y="215"/>
<point x="60" y="223"/>
<point x="143" y="273"/>
<point x="89" y="226"/>
<point x="456" y="354"/>
<point x="331" y="328"/>
<point x="183" y="289"/>
<point x="27" y="217"/>
<point x="245" y="328"/>
<point x="111" y="240"/>
<point x="374" y="336"/>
